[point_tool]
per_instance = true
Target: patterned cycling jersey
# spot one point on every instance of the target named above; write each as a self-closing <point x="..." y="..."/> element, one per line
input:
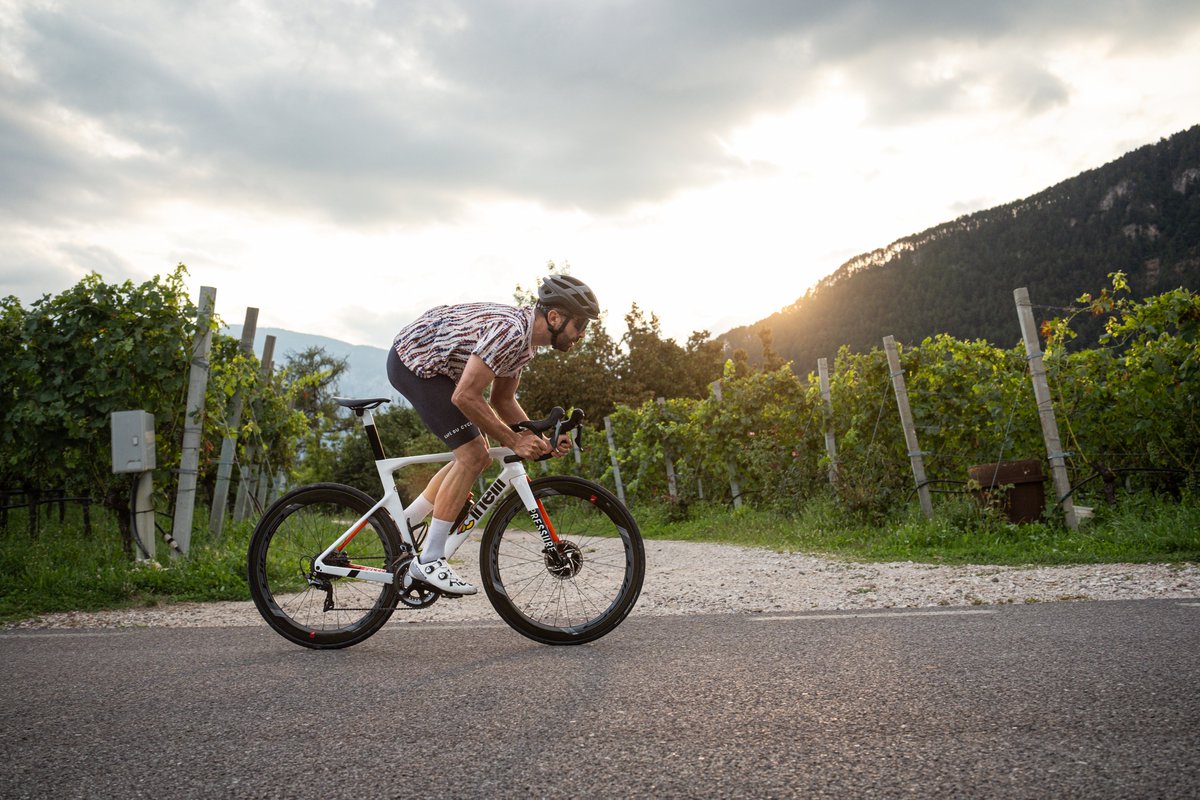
<point x="440" y="341"/>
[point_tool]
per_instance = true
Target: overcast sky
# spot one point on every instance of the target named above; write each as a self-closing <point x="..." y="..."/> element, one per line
<point x="343" y="166"/>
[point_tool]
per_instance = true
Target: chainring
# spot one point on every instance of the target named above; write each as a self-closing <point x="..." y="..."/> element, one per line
<point x="419" y="595"/>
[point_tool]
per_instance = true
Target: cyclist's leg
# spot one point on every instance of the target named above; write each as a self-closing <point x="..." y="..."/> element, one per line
<point x="431" y="399"/>
<point x="470" y="460"/>
<point x="422" y="504"/>
<point x="449" y="489"/>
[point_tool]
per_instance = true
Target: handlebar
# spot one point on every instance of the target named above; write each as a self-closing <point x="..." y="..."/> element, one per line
<point x="555" y="420"/>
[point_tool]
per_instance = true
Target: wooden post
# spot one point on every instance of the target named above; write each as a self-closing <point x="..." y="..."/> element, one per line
<point x="612" y="454"/>
<point x="672" y="487"/>
<point x="248" y="474"/>
<point x="735" y="486"/>
<point x="830" y="441"/>
<point x="910" y="433"/>
<point x="245" y="481"/>
<point x="35" y="500"/>
<point x="193" y="423"/>
<point x="143" y="517"/>
<point x="216" y="519"/>
<point x="1041" y="391"/>
<point x="264" y="485"/>
<point x="277" y="488"/>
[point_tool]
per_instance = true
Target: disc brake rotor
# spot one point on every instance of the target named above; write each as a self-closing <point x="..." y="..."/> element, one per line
<point x="564" y="561"/>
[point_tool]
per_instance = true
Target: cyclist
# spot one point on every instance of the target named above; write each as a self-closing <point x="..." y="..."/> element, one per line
<point x="443" y="362"/>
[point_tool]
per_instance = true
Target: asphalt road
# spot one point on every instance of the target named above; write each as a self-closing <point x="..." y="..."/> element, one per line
<point x="1056" y="700"/>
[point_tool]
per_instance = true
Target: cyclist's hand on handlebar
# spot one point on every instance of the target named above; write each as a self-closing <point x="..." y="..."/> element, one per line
<point x="564" y="445"/>
<point x="530" y="446"/>
<point x="555" y="425"/>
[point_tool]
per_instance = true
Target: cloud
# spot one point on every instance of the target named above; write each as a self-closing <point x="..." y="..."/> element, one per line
<point x="397" y="113"/>
<point x="134" y="135"/>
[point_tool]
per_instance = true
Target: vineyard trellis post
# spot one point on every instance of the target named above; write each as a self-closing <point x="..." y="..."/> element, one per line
<point x="248" y="473"/>
<point x="672" y="486"/>
<point x="735" y="486"/>
<point x="1041" y="392"/>
<point x="612" y="454"/>
<point x="910" y="432"/>
<point x="193" y="423"/>
<point x="264" y="483"/>
<point x="216" y="519"/>
<point x="826" y="396"/>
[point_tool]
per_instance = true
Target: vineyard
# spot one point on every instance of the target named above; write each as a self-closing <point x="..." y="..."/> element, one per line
<point x="767" y="439"/>
<point x="1127" y="411"/>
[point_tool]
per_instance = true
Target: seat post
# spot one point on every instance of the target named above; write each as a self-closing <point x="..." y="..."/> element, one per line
<point x="372" y="432"/>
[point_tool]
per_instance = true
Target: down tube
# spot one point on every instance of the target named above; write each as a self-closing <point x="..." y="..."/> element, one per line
<point x="513" y="475"/>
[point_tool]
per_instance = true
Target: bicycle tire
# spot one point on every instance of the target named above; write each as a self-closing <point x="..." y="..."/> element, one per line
<point x="584" y="592"/>
<point x="293" y="532"/>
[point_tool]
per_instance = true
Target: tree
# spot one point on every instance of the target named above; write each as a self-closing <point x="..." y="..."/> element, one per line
<point x="657" y="367"/>
<point x="311" y="377"/>
<point x="586" y="377"/>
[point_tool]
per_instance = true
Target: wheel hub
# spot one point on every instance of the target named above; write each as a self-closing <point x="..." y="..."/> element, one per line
<point x="564" y="561"/>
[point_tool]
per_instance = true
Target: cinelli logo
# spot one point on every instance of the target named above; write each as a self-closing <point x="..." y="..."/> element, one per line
<point x="485" y="502"/>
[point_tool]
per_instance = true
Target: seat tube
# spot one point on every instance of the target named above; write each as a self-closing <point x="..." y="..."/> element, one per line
<point x="368" y="421"/>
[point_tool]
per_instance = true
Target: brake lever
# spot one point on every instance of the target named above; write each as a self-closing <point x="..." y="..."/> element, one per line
<point x="574" y="422"/>
<point x="561" y="426"/>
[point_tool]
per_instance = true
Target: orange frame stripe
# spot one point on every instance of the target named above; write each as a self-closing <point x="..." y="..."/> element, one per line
<point x="546" y="519"/>
<point x="353" y="533"/>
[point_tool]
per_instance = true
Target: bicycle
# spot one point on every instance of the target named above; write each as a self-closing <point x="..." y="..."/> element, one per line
<point x="561" y="559"/>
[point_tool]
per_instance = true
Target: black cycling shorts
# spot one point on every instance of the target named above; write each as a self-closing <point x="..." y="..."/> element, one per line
<point x="430" y="397"/>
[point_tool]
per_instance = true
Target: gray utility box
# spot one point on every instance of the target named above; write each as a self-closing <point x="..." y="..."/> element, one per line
<point x="132" y="441"/>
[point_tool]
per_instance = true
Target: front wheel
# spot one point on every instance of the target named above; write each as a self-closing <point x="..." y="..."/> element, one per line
<point x="313" y="609"/>
<point x="574" y="592"/>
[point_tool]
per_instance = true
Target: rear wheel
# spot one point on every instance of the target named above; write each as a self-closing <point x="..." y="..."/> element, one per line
<point x="320" y="610"/>
<point x="574" y="592"/>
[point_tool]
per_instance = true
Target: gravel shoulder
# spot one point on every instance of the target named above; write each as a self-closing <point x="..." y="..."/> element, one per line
<point x="688" y="578"/>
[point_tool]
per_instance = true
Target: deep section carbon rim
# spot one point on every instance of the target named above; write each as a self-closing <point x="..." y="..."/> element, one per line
<point x="575" y="593"/>
<point x="322" y="610"/>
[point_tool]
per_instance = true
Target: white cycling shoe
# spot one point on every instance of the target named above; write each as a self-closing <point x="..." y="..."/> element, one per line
<point x="441" y="576"/>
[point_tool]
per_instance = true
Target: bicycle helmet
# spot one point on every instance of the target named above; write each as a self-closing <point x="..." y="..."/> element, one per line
<point x="569" y="295"/>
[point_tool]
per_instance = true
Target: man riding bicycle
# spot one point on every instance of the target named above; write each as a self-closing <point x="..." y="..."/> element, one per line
<point x="443" y="362"/>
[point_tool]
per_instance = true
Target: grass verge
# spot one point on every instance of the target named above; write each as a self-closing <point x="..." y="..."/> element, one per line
<point x="1140" y="530"/>
<point x="62" y="570"/>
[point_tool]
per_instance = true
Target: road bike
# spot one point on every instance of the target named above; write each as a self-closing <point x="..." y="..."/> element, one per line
<point x="561" y="558"/>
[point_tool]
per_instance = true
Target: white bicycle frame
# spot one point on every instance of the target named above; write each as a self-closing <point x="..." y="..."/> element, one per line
<point x="512" y="477"/>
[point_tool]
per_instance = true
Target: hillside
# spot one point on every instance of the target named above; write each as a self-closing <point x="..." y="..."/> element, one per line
<point x="365" y="375"/>
<point x="1139" y="214"/>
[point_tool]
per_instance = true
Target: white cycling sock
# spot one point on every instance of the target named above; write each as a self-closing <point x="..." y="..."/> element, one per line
<point x="435" y="540"/>
<point x="418" y="510"/>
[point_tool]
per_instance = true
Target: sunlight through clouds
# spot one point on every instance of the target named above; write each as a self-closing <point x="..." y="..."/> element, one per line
<point x="345" y="166"/>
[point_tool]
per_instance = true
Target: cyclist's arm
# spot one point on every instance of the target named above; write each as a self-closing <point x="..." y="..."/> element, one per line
<point x="468" y="397"/>
<point x="504" y="400"/>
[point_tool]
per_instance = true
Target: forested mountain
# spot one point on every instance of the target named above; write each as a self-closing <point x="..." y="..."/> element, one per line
<point x="1139" y="214"/>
